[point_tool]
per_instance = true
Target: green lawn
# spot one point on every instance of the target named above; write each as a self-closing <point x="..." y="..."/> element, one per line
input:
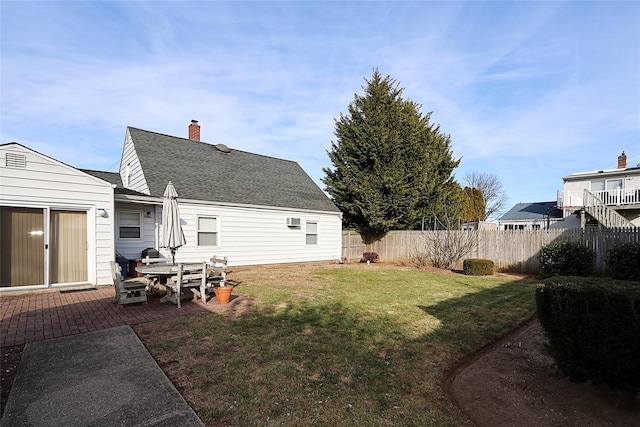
<point x="336" y="345"/>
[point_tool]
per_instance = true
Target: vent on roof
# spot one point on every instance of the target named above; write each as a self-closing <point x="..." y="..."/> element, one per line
<point x="223" y="148"/>
<point x="16" y="160"/>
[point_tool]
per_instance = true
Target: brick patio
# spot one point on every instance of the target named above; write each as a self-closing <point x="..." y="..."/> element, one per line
<point x="42" y="315"/>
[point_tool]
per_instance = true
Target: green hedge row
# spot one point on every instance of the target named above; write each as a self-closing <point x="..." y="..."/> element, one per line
<point x="477" y="267"/>
<point x="623" y="261"/>
<point x="593" y="328"/>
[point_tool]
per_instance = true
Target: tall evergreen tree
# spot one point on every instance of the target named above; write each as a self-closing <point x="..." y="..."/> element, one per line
<point x="391" y="167"/>
<point x="473" y="208"/>
<point x="495" y="197"/>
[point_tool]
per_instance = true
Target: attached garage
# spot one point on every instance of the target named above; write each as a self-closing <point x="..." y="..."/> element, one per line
<point x="56" y="223"/>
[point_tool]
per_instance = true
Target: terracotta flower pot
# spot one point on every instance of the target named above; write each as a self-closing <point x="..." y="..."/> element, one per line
<point x="223" y="294"/>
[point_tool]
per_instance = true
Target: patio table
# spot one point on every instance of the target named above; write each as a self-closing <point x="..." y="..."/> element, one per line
<point x="163" y="272"/>
<point x="167" y="269"/>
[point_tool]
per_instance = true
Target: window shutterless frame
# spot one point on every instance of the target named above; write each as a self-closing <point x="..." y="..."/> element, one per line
<point x="311" y="233"/>
<point x="207" y="230"/>
<point x="129" y="225"/>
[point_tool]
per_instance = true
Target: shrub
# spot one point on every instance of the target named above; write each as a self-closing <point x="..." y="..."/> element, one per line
<point x="445" y="248"/>
<point x="369" y="256"/>
<point x="593" y="328"/>
<point x="477" y="267"/>
<point x="623" y="261"/>
<point x="566" y="259"/>
<point x="420" y="259"/>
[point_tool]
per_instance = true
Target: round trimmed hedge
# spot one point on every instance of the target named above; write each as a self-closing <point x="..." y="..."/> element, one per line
<point x="477" y="267"/>
<point x="566" y="259"/>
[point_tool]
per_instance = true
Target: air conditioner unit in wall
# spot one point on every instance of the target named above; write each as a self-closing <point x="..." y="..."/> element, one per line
<point x="293" y="222"/>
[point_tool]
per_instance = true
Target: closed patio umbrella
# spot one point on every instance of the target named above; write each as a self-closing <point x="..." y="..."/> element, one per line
<point x="172" y="234"/>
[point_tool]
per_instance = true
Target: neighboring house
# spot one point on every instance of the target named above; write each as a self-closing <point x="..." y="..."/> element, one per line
<point x="530" y="216"/>
<point x="251" y="208"/>
<point x="607" y="198"/>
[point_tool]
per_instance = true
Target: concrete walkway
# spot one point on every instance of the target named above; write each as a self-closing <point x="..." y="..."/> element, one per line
<point x="102" y="378"/>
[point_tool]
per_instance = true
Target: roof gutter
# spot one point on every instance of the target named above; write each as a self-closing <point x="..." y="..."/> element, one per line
<point x="149" y="200"/>
<point x="580" y="176"/>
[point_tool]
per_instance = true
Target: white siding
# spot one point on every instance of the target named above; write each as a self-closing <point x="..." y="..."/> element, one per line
<point x="48" y="183"/>
<point x="130" y="160"/>
<point x="252" y="236"/>
<point x="130" y="248"/>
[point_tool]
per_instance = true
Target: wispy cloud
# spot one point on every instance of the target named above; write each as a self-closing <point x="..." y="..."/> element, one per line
<point x="521" y="87"/>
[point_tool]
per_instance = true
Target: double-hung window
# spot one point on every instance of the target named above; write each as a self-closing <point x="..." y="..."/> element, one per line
<point x="207" y="231"/>
<point x="312" y="233"/>
<point x="597" y="185"/>
<point x="129" y="225"/>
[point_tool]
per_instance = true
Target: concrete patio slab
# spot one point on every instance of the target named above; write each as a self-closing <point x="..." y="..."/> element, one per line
<point x="101" y="378"/>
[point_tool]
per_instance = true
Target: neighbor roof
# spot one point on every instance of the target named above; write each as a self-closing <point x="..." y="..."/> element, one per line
<point x="532" y="211"/>
<point x="200" y="171"/>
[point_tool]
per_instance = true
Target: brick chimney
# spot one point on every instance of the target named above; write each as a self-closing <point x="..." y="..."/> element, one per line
<point x="622" y="161"/>
<point x="194" y="130"/>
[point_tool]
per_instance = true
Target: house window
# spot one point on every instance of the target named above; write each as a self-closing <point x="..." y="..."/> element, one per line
<point x="129" y="225"/>
<point x="614" y="184"/>
<point x="207" y="231"/>
<point x="609" y="184"/>
<point x="312" y="233"/>
<point x="127" y="175"/>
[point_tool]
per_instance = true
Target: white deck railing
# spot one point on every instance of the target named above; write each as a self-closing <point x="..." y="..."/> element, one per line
<point x="619" y="197"/>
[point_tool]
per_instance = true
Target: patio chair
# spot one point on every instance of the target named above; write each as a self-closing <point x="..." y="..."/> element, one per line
<point x="195" y="281"/>
<point x="146" y="260"/>
<point x="128" y="290"/>
<point x="218" y="275"/>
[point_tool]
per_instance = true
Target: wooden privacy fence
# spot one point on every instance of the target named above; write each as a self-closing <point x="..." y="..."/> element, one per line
<point x="511" y="250"/>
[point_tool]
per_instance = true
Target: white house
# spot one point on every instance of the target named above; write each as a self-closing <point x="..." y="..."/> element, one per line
<point x="606" y="197"/>
<point x="251" y="208"/>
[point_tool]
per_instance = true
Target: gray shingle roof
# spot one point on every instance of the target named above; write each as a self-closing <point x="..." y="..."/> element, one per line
<point x="532" y="211"/>
<point x="112" y="178"/>
<point x="200" y="171"/>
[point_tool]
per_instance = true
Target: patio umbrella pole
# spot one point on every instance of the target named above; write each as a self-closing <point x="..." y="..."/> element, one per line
<point x="172" y="234"/>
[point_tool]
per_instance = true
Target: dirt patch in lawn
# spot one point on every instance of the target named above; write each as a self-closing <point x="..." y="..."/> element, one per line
<point x="514" y="382"/>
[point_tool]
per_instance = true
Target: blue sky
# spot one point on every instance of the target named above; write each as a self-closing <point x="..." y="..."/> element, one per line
<point x="528" y="91"/>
